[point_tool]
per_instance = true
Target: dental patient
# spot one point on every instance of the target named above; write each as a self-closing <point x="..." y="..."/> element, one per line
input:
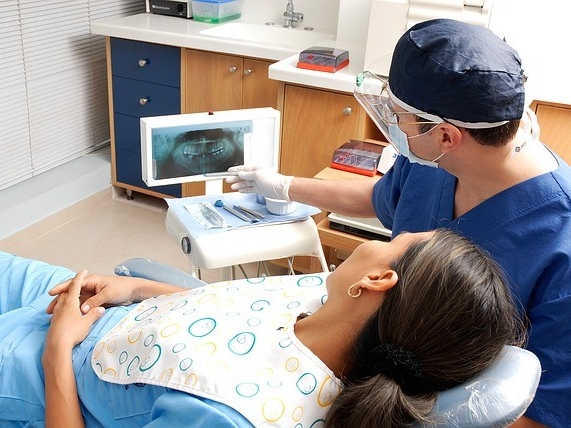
<point x="368" y="345"/>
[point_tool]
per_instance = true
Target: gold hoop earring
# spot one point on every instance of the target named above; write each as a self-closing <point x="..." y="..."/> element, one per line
<point x="350" y="291"/>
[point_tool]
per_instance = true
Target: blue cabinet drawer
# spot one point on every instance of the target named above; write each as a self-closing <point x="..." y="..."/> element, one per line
<point x="127" y="133"/>
<point x="129" y="171"/>
<point x="146" y="82"/>
<point x="141" y="99"/>
<point x="145" y="61"/>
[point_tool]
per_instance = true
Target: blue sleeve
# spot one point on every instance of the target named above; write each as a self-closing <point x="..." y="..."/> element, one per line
<point x="180" y="409"/>
<point x="413" y="197"/>
<point x="550" y="340"/>
<point x="400" y="193"/>
<point x="387" y="191"/>
<point x="549" y="314"/>
<point x="23" y="324"/>
<point x="25" y="282"/>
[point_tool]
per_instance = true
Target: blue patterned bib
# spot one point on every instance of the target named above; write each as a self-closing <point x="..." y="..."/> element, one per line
<point x="233" y="342"/>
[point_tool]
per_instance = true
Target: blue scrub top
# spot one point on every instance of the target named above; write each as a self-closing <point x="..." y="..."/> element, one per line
<point x="527" y="230"/>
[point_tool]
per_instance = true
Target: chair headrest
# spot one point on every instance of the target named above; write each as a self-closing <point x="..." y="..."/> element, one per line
<point x="496" y="397"/>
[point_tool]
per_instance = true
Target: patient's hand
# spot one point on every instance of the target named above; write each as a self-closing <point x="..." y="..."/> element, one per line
<point x="106" y="291"/>
<point x="69" y="325"/>
<point x="96" y="290"/>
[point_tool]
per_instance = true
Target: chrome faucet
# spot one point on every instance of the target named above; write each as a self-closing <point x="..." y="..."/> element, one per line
<point x="290" y="16"/>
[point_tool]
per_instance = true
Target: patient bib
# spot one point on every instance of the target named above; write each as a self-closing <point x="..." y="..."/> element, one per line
<point x="231" y="342"/>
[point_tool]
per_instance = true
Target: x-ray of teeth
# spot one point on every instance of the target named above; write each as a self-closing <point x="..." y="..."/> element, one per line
<point x="184" y="151"/>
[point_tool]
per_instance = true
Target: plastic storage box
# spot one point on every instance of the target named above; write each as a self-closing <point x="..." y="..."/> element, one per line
<point x="216" y="11"/>
<point x="323" y="59"/>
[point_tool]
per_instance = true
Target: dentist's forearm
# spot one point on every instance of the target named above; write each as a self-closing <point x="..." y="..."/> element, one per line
<point x="347" y="197"/>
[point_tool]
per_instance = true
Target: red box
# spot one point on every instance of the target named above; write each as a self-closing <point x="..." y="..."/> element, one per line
<point x="323" y="59"/>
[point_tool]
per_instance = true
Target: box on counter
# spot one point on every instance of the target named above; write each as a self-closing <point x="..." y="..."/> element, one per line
<point x="323" y="59"/>
<point x="216" y="11"/>
<point x="360" y="157"/>
<point x="182" y="9"/>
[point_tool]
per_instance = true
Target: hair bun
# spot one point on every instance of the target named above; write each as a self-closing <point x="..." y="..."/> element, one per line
<point x="399" y="365"/>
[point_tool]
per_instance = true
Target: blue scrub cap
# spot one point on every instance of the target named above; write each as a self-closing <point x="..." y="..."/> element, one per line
<point x="461" y="72"/>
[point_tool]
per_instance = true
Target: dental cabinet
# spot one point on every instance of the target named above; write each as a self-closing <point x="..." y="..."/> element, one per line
<point x="148" y="79"/>
<point x="227" y="82"/>
<point x="216" y="82"/>
<point x="144" y="80"/>
<point x="315" y="122"/>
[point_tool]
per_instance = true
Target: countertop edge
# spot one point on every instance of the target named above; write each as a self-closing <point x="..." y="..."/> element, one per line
<point x="192" y="41"/>
<point x="342" y="81"/>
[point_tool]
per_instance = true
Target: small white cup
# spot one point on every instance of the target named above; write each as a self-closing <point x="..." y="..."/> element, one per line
<point x="280" y="207"/>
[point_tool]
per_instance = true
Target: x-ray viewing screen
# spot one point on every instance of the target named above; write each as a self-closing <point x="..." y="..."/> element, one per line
<point x="195" y="149"/>
<point x="183" y="148"/>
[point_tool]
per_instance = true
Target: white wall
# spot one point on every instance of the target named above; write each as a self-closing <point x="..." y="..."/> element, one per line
<point x="353" y="21"/>
<point x="48" y="193"/>
<point x="539" y="30"/>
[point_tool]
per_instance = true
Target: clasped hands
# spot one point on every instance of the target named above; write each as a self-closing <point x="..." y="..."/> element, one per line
<point x="79" y="302"/>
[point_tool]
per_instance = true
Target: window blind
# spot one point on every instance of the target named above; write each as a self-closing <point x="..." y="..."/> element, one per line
<point x="53" y="82"/>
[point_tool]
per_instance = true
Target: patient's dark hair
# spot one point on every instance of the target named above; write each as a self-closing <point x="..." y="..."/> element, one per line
<point x="445" y="320"/>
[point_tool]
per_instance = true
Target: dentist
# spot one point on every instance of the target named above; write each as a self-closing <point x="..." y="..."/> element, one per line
<point x="471" y="160"/>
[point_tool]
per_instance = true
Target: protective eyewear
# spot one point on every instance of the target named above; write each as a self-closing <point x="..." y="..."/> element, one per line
<point x="373" y="94"/>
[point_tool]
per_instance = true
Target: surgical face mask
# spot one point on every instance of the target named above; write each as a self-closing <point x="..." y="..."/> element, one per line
<point x="374" y="95"/>
<point x="399" y="140"/>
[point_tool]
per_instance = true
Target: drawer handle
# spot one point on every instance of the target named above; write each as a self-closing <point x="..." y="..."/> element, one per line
<point x="232" y="69"/>
<point x="247" y="72"/>
<point x="347" y="111"/>
<point x="143" y="62"/>
<point x="144" y="101"/>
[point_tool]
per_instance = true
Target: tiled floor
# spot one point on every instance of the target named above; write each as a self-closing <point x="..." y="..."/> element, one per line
<point x="103" y="231"/>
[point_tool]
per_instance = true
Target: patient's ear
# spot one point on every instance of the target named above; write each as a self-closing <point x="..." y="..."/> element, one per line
<point x="381" y="282"/>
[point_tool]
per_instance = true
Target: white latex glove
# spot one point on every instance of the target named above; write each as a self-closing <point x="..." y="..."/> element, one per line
<point x="264" y="181"/>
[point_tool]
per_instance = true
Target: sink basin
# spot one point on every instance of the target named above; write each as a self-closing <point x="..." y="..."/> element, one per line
<point x="268" y="34"/>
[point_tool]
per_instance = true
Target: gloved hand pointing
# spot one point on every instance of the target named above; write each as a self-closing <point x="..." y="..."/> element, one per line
<point x="264" y="181"/>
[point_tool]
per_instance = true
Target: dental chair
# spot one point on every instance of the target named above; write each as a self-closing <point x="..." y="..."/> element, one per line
<point x="494" y="398"/>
